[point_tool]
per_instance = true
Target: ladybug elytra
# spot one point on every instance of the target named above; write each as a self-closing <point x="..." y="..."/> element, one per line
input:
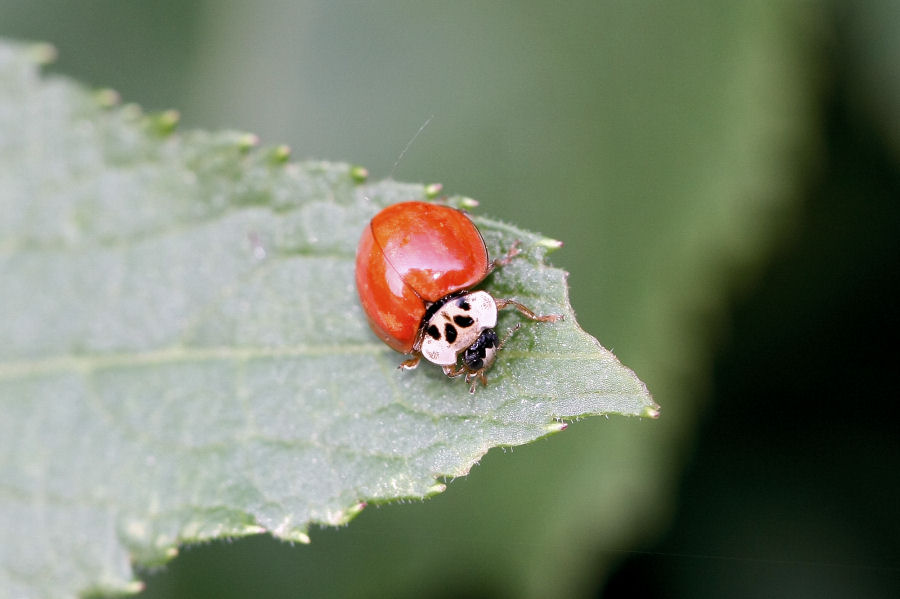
<point x="415" y="267"/>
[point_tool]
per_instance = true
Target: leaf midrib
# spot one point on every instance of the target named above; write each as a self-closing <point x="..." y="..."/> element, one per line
<point x="14" y="369"/>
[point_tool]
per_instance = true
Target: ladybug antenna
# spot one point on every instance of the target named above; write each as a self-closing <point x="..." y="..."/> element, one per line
<point x="409" y="143"/>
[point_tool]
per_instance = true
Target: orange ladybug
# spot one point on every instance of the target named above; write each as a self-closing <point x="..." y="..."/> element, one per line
<point x="416" y="265"/>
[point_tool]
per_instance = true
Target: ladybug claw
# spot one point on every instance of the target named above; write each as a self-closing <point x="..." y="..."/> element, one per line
<point x="409" y="364"/>
<point x="473" y="379"/>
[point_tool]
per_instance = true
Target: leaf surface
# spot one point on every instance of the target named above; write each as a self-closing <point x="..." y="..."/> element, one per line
<point x="184" y="357"/>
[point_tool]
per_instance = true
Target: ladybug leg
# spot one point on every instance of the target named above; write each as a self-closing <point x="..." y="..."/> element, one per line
<point x="481" y="378"/>
<point x="512" y="253"/>
<point x="479" y="374"/>
<point x="411" y="363"/>
<point x="472" y="379"/>
<point x="454" y="371"/>
<point x="502" y="303"/>
<point x="471" y="375"/>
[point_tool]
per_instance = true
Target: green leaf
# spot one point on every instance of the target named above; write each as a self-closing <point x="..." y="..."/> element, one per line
<point x="183" y="355"/>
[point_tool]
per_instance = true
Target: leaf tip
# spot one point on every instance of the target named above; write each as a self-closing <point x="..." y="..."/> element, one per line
<point x="280" y="153"/>
<point x="435" y="489"/>
<point x="433" y="190"/>
<point x="107" y="97"/>
<point x="296" y="536"/>
<point x="345" y="516"/>
<point x="246" y="141"/>
<point x="133" y="587"/>
<point x="43" y="53"/>
<point x="467" y="203"/>
<point x="132" y="111"/>
<point x="165" y="122"/>
<point x="651" y="412"/>
<point x="359" y="174"/>
<point x="253" y="529"/>
<point x="550" y="244"/>
<point x="557" y="427"/>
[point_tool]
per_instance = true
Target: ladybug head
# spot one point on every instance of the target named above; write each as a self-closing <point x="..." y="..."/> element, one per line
<point x="460" y="323"/>
<point x="480" y="354"/>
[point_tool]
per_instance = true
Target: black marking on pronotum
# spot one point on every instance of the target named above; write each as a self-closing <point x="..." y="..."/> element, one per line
<point x="463" y="321"/>
<point x="450" y="332"/>
<point x="433" y="332"/>
<point x="433" y="308"/>
<point x="464" y="305"/>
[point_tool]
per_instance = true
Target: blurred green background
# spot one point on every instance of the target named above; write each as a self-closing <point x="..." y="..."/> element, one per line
<point x="725" y="177"/>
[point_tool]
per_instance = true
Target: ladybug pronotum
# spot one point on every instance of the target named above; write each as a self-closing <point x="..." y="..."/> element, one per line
<point x="416" y="265"/>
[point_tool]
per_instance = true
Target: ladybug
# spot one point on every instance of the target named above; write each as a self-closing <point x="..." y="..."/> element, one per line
<point x="416" y="265"/>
